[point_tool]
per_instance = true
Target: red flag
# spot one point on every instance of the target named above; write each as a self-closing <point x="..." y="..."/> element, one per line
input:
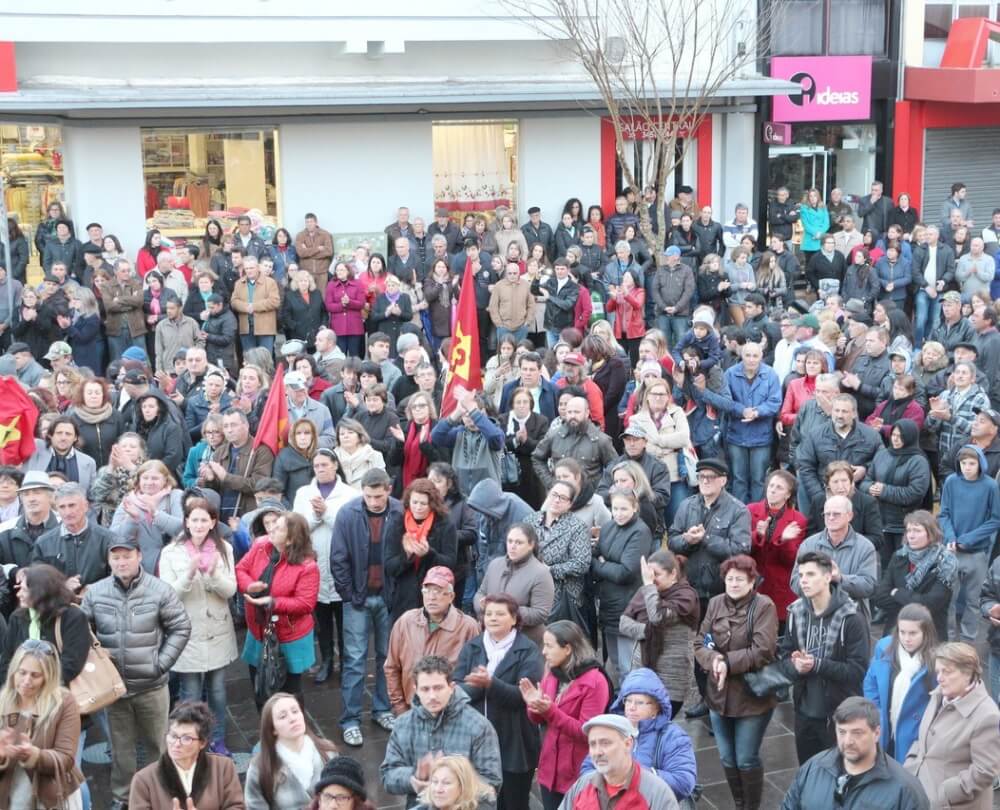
<point x="18" y="416"/>
<point x="464" y="368"/>
<point x="273" y="429"/>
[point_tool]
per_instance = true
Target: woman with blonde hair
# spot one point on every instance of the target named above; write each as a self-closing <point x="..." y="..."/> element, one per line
<point x="85" y="334"/>
<point x="957" y="753"/>
<point x="667" y="436"/>
<point x="453" y="784"/>
<point x="39" y="733"/>
<point x="293" y="466"/>
<point x="251" y="393"/>
<point x="303" y="311"/>
<point x="355" y="454"/>
<point x="153" y="512"/>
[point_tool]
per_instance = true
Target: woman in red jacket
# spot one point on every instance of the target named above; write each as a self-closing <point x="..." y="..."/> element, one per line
<point x="574" y="689"/>
<point x="629" y="304"/>
<point x="345" y="299"/>
<point x="802" y="389"/>
<point x="777" y="530"/>
<point x="279" y="580"/>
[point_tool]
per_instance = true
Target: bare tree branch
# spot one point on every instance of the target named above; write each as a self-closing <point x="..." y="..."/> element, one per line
<point x="657" y="66"/>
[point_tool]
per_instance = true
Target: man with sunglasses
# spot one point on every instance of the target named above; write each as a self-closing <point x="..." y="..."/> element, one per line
<point x="857" y="772"/>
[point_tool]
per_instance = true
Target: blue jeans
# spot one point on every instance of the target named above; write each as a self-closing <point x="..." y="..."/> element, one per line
<point x="739" y="738"/>
<point x="748" y="466"/>
<point x="117" y="344"/>
<point x="358" y="623"/>
<point x="964" y="608"/>
<point x="679" y="490"/>
<point x="673" y="327"/>
<point x="995" y="676"/>
<point x="552" y="335"/>
<point x="214" y="684"/>
<point x="254" y="341"/>
<point x="518" y="334"/>
<point x="925" y="316"/>
<point x="351" y="345"/>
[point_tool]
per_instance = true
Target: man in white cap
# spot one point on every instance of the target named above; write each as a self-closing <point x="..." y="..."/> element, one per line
<point x="301" y="406"/>
<point x="18" y="536"/>
<point x="60" y="356"/>
<point x="617" y="778"/>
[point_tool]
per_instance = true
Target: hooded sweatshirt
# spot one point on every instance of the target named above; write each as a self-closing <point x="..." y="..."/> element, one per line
<point x="497" y="511"/>
<point x="970" y="510"/>
<point x="662" y="746"/>
<point x="838" y="638"/>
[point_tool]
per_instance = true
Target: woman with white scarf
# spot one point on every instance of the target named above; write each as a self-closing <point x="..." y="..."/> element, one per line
<point x="901" y="676"/>
<point x="489" y="670"/>
<point x="523" y="430"/>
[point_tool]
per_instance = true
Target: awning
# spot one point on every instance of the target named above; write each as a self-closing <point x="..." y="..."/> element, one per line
<point x="87" y="98"/>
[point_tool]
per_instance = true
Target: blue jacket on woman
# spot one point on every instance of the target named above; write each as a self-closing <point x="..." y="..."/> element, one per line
<point x="87" y="340"/>
<point x="814" y="221"/>
<point x="878" y="689"/>
<point x="663" y="746"/>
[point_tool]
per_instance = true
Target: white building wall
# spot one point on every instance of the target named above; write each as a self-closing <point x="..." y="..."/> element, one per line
<point x="102" y="172"/>
<point x="559" y="158"/>
<point x="734" y="169"/>
<point x="353" y="176"/>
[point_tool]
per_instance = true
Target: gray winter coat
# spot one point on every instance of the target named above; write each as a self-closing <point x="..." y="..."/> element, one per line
<point x="529" y="582"/>
<point x="457" y="729"/>
<point x="673" y="287"/>
<point x="727" y="533"/>
<point x="497" y="512"/>
<point x="855" y="557"/>
<point x="144" y="627"/>
<point x="565" y="548"/>
<point x="592" y="449"/>
<point x="906" y="480"/>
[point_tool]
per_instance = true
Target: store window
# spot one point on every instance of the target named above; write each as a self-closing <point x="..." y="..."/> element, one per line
<point x="32" y="168"/>
<point x="475" y="166"/>
<point x="194" y="175"/>
<point x="829" y="27"/>
<point x="825" y="156"/>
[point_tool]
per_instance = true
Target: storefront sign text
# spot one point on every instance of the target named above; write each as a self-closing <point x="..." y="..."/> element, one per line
<point x="834" y="88"/>
<point x="777" y="134"/>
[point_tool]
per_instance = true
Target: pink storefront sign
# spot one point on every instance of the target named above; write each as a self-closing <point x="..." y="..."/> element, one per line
<point x="834" y="88"/>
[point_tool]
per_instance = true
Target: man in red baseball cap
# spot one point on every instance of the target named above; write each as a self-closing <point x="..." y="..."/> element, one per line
<point x="437" y="628"/>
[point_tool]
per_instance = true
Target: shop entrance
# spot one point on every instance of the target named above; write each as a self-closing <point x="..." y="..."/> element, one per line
<point x="825" y="156"/>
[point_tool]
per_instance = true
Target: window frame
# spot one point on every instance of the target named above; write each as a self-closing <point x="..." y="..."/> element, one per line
<point x="826" y="19"/>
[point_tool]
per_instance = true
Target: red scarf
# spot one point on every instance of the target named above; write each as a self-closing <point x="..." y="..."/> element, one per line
<point x="414" y="462"/>
<point x="418" y="531"/>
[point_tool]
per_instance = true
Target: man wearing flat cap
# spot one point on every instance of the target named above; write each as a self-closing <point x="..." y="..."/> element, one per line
<point x="537" y="232"/>
<point x="617" y="779"/>
<point x="708" y="528"/>
<point x="634" y="440"/>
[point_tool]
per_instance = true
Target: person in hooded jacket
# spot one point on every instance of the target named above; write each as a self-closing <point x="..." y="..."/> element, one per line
<point x="661" y="745"/>
<point x="739" y="634"/>
<point x="900" y="679"/>
<point x="489" y="669"/>
<point x="164" y="437"/>
<point x="623" y="542"/>
<point x="898" y="478"/>
<point x="969" y="519"/>
<point x="496" y="511"/>
<point x="824" y="651"/>
<point x="662" y="618"/>
<point x="465" y="522"/>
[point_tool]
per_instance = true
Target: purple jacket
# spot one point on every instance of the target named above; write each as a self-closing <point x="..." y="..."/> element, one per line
<point x="345" y="320"/>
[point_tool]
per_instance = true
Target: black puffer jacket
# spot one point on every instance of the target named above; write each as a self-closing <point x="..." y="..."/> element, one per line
<point x="143" y="626"/>
<point x="96" y="438"/>
<point x="616" y="567"/>
<point x="165" y="439"/>
<point x="85" y="556"/>
<point x="906" y="474"/>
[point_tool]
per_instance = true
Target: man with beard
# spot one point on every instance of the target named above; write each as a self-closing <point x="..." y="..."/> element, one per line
<point x="857" y="772"/>
<point x="574" y="372"/>
<point x="612" y="740"/>
<point x="577" y="437"/>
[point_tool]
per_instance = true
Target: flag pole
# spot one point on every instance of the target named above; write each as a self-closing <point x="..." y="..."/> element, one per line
<point x="5" y="235"/>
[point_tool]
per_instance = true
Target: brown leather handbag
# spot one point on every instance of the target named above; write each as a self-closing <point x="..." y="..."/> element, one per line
<point x="99" y="683"/>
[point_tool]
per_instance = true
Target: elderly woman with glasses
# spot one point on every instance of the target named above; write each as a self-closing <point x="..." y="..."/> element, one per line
<point x="39" y="733"/>
<point x="187" y="775"/>
<point x="341" y="787"/>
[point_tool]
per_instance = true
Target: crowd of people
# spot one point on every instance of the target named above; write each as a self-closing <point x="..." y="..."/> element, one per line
<point x="757" y="463"/>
